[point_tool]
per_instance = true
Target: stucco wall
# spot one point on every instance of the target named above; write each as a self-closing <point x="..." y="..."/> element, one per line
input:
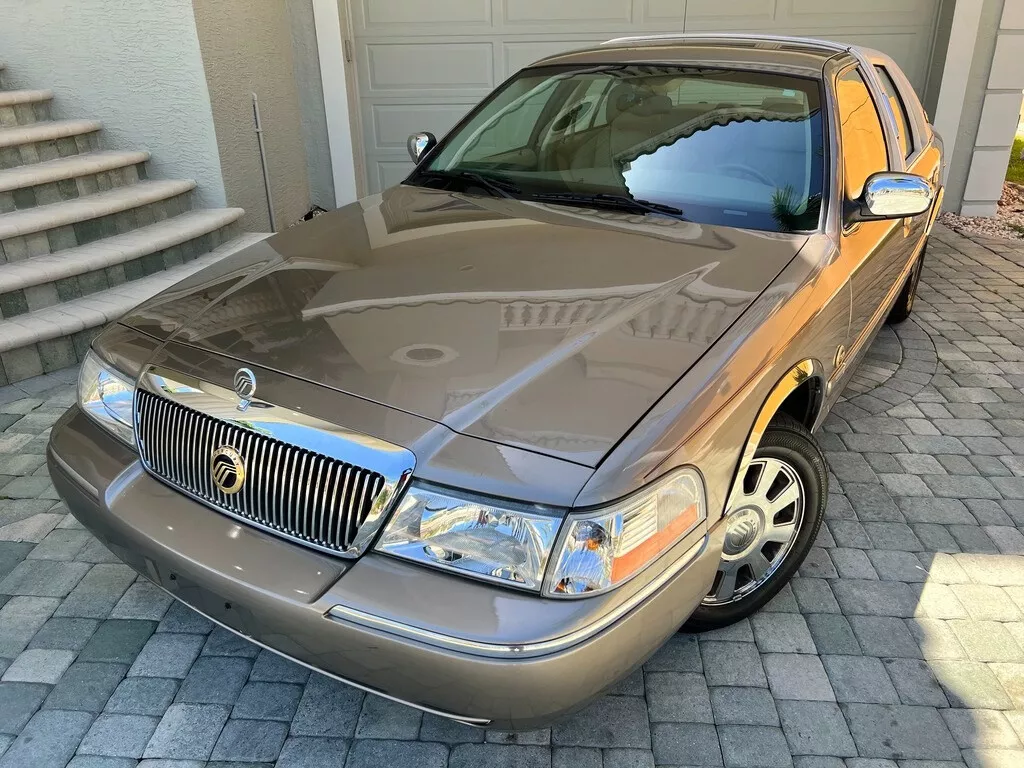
<point x="974" y="99"/>
<point x="134" y="64"/>
<point x="247" y="47"/>
<point x="311" y="103"/>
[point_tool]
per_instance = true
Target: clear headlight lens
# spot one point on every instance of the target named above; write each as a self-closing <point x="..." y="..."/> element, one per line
<point x="603" y="548"/>
<point x="106" y="395"/>
<point x="482" y="539"/>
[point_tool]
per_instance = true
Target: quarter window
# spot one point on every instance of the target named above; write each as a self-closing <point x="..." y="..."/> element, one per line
<point x="863" y="138"/>
<point x="896" y="103"/>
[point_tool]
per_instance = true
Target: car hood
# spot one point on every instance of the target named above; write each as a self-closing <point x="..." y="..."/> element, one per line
<point x="545" y="327"/>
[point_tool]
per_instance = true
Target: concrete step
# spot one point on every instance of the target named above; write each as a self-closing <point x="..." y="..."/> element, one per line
<point x="50" y="228"/>
<point x="44" y="281"/>
<point x="25" y="144"/>
<point x="67" y="168"/>
<point x="27" y="186"/>
<point x="24" y="107"/>
<point x="57" y="337"/>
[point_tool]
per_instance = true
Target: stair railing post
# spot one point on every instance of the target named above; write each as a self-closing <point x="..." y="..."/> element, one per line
<point x="263" y="161"/>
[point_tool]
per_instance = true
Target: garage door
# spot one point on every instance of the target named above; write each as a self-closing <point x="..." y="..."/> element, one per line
<point x="421" y="66"/>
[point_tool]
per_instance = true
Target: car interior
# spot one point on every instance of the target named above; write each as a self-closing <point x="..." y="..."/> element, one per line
<point x="733" y="146"/>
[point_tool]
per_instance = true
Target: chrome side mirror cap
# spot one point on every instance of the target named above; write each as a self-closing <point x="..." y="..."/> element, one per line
<point x="419" y="144"/>
<point x="892" y="196"/>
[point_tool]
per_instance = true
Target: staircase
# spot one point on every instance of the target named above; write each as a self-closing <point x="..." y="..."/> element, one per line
<point x="84" y="235"/>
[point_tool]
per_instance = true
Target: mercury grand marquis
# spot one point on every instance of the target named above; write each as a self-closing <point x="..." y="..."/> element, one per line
<point x="481" y="443"/>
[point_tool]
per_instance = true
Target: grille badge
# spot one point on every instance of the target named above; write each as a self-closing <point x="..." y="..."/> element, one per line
<point x="227" y="469"/>
<point x="306" y="479"/>
<point x="245" y="387"/>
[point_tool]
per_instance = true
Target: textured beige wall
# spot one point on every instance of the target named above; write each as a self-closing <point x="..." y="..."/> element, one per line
<point x="246" y="47"/>
<point x="311" y="103"/>
<point x="134" y="64"/>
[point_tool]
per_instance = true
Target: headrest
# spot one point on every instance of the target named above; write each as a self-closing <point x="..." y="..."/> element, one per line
<point x="653" y="105"/>
<point x="787" y="106"/>
<point x="641" y="103"/>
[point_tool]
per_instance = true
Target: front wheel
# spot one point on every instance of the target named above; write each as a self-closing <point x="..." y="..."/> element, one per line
<point x="775" y="516"/>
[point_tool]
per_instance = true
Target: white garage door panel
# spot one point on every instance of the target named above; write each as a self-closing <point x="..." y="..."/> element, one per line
<point x="663" y="12"/>
<point x="519" y="55"/>
<point x="430" y="66"/>
<point x="730" y="11"/>
<point x="391" y="124"/>
<point x="568" y="11"/>
<point x="444" y="15"/>
<point x="833" y="11"/>
<point x="439" y="12"/>
<point x="422" y="66"/>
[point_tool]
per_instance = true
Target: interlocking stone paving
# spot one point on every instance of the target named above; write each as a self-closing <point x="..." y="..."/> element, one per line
<point x="901" y="642"/>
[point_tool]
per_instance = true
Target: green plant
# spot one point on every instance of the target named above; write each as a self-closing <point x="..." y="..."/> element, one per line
<point x="786" y="210"/>
<point x="1015" y="171"/>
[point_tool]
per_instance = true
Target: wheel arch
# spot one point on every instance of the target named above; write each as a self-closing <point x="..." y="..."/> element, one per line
<point x="800" y="394"/>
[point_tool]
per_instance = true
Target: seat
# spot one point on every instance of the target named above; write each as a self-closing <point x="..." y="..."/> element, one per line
<point x="633" y="115"/>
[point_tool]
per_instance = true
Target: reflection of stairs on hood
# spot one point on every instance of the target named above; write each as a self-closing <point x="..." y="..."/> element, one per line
<point x="678" y="317"/>
<point x="84" y="235"/>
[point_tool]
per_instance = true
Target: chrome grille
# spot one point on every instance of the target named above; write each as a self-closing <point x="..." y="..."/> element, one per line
<point x="301" y="494"/>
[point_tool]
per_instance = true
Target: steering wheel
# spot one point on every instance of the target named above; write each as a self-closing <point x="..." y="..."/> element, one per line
<point x="745" y="171"/>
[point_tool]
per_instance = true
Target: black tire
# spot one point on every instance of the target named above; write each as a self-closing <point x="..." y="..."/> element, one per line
<point x="790" y="441"/>
<point x="905" y="302"/>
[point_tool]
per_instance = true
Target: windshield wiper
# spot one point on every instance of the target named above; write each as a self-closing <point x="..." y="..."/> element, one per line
<point x="604" y="200"/>
<point x="499" y="187"/>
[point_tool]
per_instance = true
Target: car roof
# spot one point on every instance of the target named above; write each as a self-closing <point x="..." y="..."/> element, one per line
<point x="797" y="55"/>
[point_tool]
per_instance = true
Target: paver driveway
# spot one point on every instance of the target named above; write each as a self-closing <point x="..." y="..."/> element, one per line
<point x="902" y="640"/>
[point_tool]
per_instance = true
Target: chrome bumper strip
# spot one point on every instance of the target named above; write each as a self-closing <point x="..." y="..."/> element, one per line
<point x="345" y="614"/>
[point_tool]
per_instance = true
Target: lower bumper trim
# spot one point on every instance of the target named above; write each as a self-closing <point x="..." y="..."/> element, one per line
<point x="477" y="722"/>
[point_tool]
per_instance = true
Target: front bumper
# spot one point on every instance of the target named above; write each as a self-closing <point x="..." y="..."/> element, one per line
<point x="462" y="649"/>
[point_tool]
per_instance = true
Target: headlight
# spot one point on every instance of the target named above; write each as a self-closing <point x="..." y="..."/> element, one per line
<point x="509" y="544"/>
<point x="601" y="549"/>
<point x="106" y="395"/>
<point x="493" y="542"/>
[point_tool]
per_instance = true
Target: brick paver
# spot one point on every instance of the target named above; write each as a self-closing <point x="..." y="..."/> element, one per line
<point x="901" y="642"/>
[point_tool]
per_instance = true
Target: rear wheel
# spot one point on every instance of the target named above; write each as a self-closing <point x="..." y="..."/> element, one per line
<point x="905" y="303"/>
<point x="774" y="519"/>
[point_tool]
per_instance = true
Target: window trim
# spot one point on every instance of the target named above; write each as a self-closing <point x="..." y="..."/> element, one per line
<point x="886" y="138"/>
<point x="923" y="131"/>
<point x="882" y="73"/>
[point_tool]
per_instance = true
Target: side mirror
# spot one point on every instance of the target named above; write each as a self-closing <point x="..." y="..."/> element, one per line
<point x="891" y="196"/>
<point x="419" y="144"/>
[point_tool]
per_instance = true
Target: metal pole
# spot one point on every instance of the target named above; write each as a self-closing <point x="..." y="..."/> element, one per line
<point x="263" y="161"/>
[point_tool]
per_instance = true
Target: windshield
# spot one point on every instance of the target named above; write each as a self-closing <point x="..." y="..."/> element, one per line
<point x="730" y="147"/>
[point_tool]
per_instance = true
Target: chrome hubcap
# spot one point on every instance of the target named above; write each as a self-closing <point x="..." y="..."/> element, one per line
<point x="760" y="530"/>
<point x="743" y="530"/>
